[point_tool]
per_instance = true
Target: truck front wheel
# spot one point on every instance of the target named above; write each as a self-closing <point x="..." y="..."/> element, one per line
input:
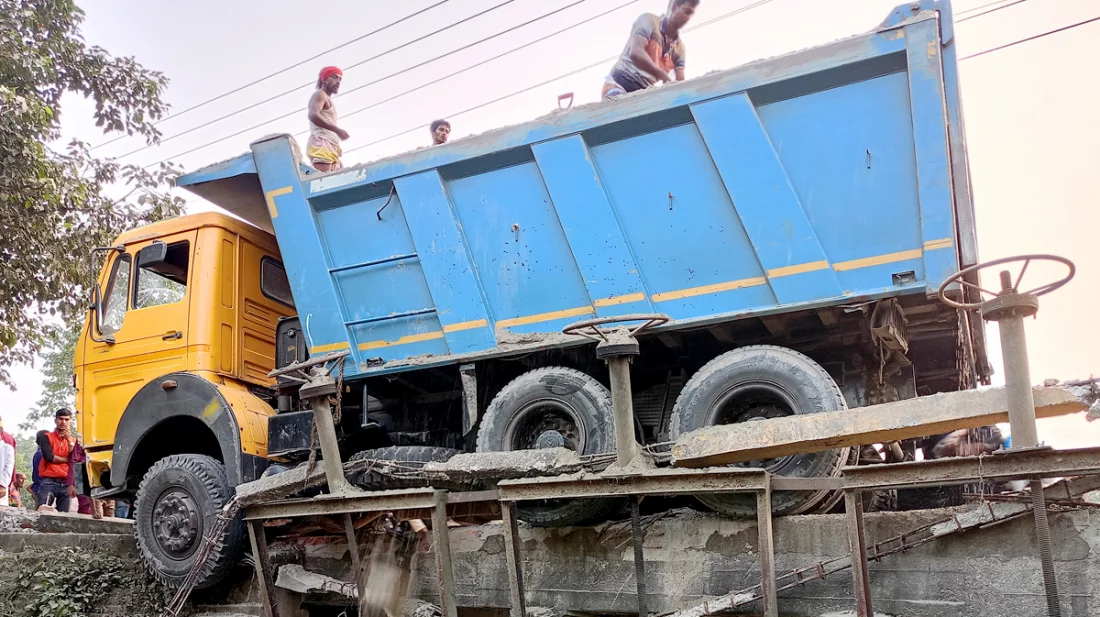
<point x="758" y="383"/>
<point x="553" y="407"/>
<point x="177" y="503"/>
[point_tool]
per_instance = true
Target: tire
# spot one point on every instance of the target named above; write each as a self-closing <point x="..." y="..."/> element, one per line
<point x="549" y="407"/>
<point x="196" y="484"/>
<point x="760" y="382"/>
<point x="409" y="456"/>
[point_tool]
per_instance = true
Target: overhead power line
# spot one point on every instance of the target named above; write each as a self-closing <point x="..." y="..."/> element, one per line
<point x="721" y="17"/>
<point x="1030" y="38"/>
<point x="980" y="7"/>
<point x="310" y="83"/>
<point x="738" y="11"/>
<point x="428" y="83"/>
<point x="282" y="70"/>
<point x="993" y="10"/>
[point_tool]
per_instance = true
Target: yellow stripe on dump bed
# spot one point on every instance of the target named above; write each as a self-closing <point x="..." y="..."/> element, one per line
<point x="878" y="260"/>
<point x="404" y="340"/>
<point x="330" y="347"/>
<point x="709" y="289"/>
<point x="541" y="317"/>
<point x="812" y="266"/>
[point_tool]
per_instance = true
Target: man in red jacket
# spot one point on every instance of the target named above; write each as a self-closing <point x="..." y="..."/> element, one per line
<point x="54" y="469"/>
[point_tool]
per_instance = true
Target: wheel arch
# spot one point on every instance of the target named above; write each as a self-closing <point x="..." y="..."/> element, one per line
<point x="191" y="418"/>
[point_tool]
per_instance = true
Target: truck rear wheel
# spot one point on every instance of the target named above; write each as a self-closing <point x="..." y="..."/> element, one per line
<point x="548" y="408"/>
<point x="756" y="383"/>
<point x="177" y="503"/>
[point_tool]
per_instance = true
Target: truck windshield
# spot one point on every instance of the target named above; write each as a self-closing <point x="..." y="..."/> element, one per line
<point x="164" y="282"/>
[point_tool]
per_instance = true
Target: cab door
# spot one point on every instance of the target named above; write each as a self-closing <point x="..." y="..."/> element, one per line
<point x="145" y="313"/>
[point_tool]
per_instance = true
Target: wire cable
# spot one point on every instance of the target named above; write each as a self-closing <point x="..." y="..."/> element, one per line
<point x="1030" y="38"/>
<point x="552" y="80"/>
<point x="426" y="84"/>
<point x="281" y="71"/>
<point x="310" y="83"/>
<point x="980" y="7"/>
<point x="1005" y="6"/>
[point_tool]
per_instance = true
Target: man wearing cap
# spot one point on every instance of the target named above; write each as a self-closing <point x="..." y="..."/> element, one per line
<point x="54" y="468"/>
<point x="323" y="148"/>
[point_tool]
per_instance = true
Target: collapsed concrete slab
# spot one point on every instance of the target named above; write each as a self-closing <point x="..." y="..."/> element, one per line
<point x="927" y="415"/>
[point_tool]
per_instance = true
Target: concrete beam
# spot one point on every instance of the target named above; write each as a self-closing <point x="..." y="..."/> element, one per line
<point x="919" y="417"/>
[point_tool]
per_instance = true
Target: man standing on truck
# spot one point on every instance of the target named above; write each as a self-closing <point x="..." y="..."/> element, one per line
<point x="653" y="51"/>
<point x="53" y="470"/>
<point x="323" y="148"/>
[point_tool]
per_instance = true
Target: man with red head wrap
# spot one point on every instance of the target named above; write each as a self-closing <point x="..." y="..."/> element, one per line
<point x="324" y="149"/>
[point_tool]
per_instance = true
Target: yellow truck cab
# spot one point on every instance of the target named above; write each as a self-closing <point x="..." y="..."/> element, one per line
<point x="173" y="396"/>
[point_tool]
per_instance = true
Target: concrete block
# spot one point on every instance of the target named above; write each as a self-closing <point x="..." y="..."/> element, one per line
<point x="919" y="417"/>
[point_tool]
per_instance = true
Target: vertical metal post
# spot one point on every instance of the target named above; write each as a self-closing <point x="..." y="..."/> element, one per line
<point x="766" y="539"/>
<point x="512" y="550"/>
<point x="1008" y="309"/>
<point x="857" y="543"/>
<point x="1021" y="401"/>
<point x="356" y="558"/>
<point x="263" y="567"/>
<point x="441" y="541"/>
<point x="637" y="538"/>
<point x="330" y="447"/>
<point x="626" y="447"/>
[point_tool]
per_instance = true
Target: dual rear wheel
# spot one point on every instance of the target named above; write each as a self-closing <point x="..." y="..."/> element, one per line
<point x="562" y="407"/>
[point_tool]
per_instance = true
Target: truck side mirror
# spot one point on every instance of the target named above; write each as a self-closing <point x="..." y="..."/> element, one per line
<point x="152" y="255"/>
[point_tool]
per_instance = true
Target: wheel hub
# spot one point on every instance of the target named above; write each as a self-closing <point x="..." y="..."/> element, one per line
<point x="177" y="522"/>
<point x="550" y="439"/>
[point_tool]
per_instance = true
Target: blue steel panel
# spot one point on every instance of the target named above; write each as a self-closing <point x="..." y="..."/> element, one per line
<point x="354" y="234"/>
<point x="243" y="164"/>
<point x="784" y="239"/>
<point x="848" y="152"/>
<point x="693" y="252"/>
<point x="610" y="272"/>
<point x="933" y="164"/>
<point x="529" y="275"/>
<point x="302" y="249"/>
<point x="446" y="263"/>
<point x="956" y="127"/>
<point x="420" y="335"/>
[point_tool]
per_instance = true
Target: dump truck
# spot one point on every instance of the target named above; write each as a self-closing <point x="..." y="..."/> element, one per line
<point x="792" y="218"/>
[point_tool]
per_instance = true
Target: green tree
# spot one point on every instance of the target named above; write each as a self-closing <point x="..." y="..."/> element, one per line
<point x="57" y="375"/>
<point x="55" y="207"/>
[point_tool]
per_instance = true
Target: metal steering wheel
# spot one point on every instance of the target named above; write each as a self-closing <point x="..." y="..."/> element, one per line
<point x="591" y="327"/>
<point x="1007" y="284"/>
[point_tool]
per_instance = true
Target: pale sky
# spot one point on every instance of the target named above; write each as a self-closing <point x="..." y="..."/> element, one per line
<point x="1030" y="110"/>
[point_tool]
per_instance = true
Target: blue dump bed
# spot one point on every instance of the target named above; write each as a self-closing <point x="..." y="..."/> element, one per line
<point x="825" y="177"/>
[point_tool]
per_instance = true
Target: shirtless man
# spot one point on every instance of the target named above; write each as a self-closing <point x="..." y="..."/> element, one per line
<point x="653" y="51"/>
<point x="323" y="149"/>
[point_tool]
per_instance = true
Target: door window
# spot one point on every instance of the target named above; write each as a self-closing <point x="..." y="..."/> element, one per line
<point x="163" y="282"/>
<point x="117" y="291"/>
<point x="273" y="281"/>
